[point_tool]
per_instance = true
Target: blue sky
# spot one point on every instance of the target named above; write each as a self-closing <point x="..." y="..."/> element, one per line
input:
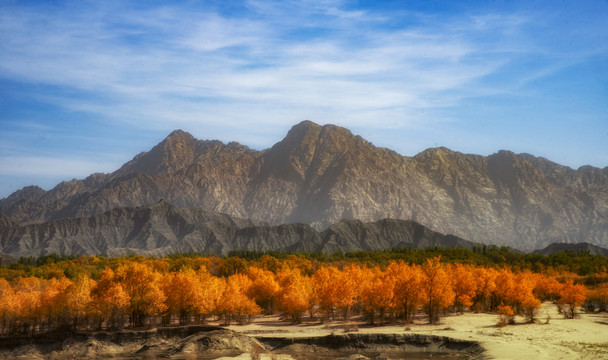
<point x="86" y="85"/>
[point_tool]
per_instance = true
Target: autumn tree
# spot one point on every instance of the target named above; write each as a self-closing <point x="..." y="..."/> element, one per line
<point x="523" y="295"/>
<point x="78" y="300"/>
<point x="409" y="292"/>
<point x="598" y="297"/>
<point x="504" y="291"/>
<point x="183" y="290"/>
<point x="506" y="315"/>
<point x="141" y="285"/>
<point x="235" y="304"/>
<point x="377" y="292"/>
<point x="295" y="293"/>
<point x="264" y="288"/>
<point x="438" y="291"/>
<point x="335" y="290"/>
<point x="572" y="295"/>
<point x="110" y="300"/>
<point x="28" y="310"/>
<point x="485" y="279"/>
<point x="463" y="284"/>
<point x="54" y="302"/>
<point x="8" y="306"/>
<point x="547" y="288"/>
<point x="210" y="294"/>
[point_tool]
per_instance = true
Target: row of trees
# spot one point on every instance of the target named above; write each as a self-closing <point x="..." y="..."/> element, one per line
<point x="139" y="291"/>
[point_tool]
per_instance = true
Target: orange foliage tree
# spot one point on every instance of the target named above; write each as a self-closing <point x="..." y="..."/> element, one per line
<point x="234" y="303"/>
<point x="141" y="285"/>
<point x="463" y="284"/>
<point x="335" y="289"/>
<point x="54" y="302"/>
<point x="295" y="293"/>
<point x="409" y="293"/>
<point x="28" y="310"/>
<point x="264" y="288"/>
<point x="110" y="300"/>
<point x="572" y="295"/>
<point x="78" y="300"/>
<point x="377" y="292"/>
<point x="485" y="279"/>
<point x="438" y="290"/>
<point x="8" y="306"/>
<point x="524" y="295"/>
<point x="184" y="294"/>
<point x="598" y="297"/>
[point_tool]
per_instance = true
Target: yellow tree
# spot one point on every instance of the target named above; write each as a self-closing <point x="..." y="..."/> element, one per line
<point x="212" y="290"/>
<point x="53" y="301"/>
<point x="572" y="295"/>
<point x="28" y="292"/>
<point x="599" y="297"/>
<point x="141" y="284"/>
<point x="438" y="290"/>
<point x="504" y="288"/>
<point x="485" y="279"/>
<point x="184" y="292"/>
<point x="8" y="306"/>
<point x="547" y="288"/>
<point x="463" y="284"/>
<point x="110" y="300"/>
<point x="234" y="302"/>
<point x="377" y="292"/>
<point x="264" y="288"/>
<point x="294" y="296"/>
<point x="323" y="286"/>
<point x="409" y="293"/>
<point x="78" y="300"/>
<point x="335" y="290"/>
<point x="523" y="295"/>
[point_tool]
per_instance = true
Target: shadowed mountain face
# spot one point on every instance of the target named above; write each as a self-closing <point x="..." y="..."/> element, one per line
<point x="584" y="247"/>
<point x="162" y="229"/>
<point x="319" y="175"/>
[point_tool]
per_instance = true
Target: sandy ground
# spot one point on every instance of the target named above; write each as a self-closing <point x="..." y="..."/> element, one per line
<point x="583" y="338"/>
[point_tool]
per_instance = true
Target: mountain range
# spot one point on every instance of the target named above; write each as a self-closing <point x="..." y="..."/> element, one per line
<point x="161" y="229"/>
<point x="320" y="175"/>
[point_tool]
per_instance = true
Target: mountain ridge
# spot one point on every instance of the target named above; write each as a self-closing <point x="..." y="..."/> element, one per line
<point x="319" y="175"/>
<point x="161" y="229"/>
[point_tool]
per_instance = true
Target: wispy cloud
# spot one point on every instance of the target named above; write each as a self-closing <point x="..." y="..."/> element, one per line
<point x="51" y="166"/>
<point x="272" y="63"/>
<point x="174" y="58"/>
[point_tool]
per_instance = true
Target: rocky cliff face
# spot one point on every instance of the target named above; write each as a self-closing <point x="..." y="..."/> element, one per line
<point x="162" y="229"/>
<point x="319" y="175"/>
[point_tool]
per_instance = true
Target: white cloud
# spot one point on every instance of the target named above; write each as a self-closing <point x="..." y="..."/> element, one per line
<point x="51" y="166"/>
<point x="183" y="66"/>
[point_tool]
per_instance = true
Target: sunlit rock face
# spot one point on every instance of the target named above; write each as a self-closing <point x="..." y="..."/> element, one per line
<point x="319" y="175"/>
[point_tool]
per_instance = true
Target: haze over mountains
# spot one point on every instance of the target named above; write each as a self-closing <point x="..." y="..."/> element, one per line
<point x="319" y="175"/>
<point x="161" y="229"/>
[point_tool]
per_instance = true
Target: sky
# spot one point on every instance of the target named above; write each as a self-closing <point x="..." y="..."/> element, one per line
<point x="87" y="85"/>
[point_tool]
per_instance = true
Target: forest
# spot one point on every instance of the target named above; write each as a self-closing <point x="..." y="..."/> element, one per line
<point x="52" y="293"/>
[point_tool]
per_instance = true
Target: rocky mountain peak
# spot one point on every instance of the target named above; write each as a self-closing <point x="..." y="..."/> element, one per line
<point x="320" y="174"/>
<point x="28" y="193"/>
<point x="510" y="169"/>
<point x="173" y="153"/>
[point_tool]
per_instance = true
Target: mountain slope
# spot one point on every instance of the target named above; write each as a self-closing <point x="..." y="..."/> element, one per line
<point x="319" y="175"/>
<point x="578" y="247"/>
<point x="162" y="229"/>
